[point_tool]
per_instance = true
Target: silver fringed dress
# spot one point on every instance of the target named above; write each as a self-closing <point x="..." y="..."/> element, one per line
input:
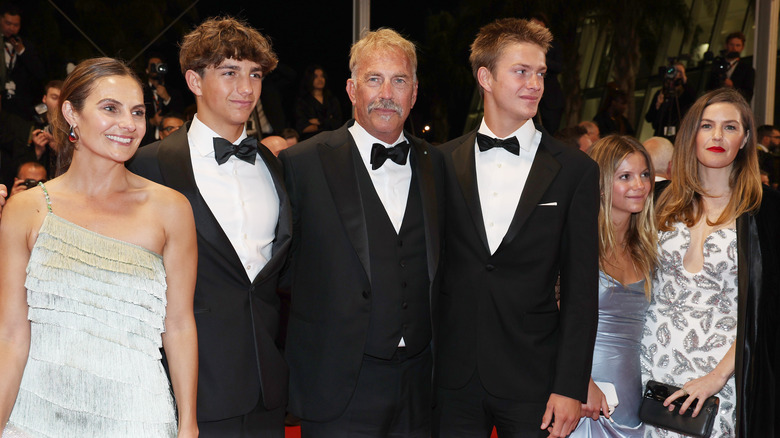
<point x="96" y="311"/>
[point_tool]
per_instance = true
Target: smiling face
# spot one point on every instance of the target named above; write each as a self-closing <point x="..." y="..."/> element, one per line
<point x="514" y="87"/>
<point x="720" y="136"/>
<point x="383" y="92"/>
<point x="111" y="123"/>
<point x="226" y="94"/>
<point x="630" y="186"/>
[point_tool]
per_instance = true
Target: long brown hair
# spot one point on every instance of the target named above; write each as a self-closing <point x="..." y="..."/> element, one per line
<point x="641" y="236"/>
<point x="681" y="201"/>
<point x="77" y="87"/>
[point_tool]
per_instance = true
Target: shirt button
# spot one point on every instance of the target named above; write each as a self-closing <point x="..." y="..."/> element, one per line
<point x="491" y="224"/>
<point x="248" y="267"/>
<point x="499" y="165"/>
<point x="495" y="194"/>
<point x="245" y="237"/>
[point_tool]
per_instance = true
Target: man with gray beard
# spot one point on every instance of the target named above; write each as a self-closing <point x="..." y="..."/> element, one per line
<point x="364" y="256"/>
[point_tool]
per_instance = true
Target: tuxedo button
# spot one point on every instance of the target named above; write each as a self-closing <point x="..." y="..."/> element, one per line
<point x="403" y="263"/>
<point x="490" y="267"/>
<point x="365" y="294"/>
<point x="400" y="242"/>
<point x="405" y="305"/>
<point x="403" y="284"/>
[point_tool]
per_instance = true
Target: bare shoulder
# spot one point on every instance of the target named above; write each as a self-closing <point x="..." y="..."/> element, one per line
<point x="24" y="212"/>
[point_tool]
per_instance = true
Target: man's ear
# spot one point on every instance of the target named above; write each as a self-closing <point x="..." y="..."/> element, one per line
<point x="351" y="90"/>
<point x="485" y="79"/>
<point x="194" y="81"/>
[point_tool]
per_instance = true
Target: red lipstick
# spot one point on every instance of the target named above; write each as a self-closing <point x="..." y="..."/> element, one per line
<point x="717" y="149"/>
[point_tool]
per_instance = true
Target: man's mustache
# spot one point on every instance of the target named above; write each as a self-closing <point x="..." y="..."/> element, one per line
<point x="385" y="104"/>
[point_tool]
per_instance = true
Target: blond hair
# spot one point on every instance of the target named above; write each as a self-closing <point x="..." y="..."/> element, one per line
<point x="493" y="38"/>
<point x="681" y="201"/>
<point x="381" y="40"/>
<point x="641" y="236"/>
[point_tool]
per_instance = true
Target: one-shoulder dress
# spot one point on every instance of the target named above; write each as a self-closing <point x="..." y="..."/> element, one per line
<point x="97" y="312"/>
<point x="616" y="357"/>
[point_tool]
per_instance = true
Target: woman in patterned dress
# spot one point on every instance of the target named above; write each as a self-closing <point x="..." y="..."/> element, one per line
<point x="711" y="328"/>
<point x="98" y="272"/>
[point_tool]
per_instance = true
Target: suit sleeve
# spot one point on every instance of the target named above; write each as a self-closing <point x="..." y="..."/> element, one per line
<point x="144" y="163"/>
<point x="579" y="289"/>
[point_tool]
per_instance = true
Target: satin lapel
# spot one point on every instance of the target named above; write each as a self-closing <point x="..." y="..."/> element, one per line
<point x="176" y="170"/>
<point x="421" y="163"/>
<point x="542" y="173"/>
<point x="284" y="225"/>
<point x="466" y="172"/>
<point x="338" y="165"/>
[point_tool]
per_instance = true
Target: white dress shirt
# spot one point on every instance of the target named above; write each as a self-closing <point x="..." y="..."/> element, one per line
<point x="501" y="177"/>
<point x="241" y="196"/>
<point x="391" y="181"/>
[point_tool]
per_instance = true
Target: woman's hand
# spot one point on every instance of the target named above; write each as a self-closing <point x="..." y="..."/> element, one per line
<point x="701" y="389"/>
<point x="597" y="402"/>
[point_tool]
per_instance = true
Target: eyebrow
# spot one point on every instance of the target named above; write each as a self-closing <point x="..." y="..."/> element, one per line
<point x="116" y="102"/>
<point x="725" y="121"/>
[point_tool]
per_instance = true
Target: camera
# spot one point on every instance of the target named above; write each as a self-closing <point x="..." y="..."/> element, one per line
<point x="720" y="66"/>
<point x="158" y="70"/>
<point x="30" y="183"/>
<point x="15" y="38"/>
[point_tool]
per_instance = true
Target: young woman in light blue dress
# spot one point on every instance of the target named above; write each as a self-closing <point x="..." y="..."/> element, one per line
<point x="627" y="242"/>
<point x="98" y="273"/>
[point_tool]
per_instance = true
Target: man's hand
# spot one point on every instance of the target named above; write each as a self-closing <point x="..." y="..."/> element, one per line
<point x="17" y="44"/>
<point x="41" y="139"/>
<point x="162" y="93"/>
<point x="3" y="195"/>
<point x="566" y="413"/>
<point x="18" y="186"/>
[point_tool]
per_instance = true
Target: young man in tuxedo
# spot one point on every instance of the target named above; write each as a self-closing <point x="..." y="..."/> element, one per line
<point x="364" y="257"/>
<point x="521" y="209"/>
<point x="243" y="224"/>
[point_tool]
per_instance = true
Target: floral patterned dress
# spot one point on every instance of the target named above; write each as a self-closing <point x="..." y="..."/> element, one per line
<point x="692" y="319"/>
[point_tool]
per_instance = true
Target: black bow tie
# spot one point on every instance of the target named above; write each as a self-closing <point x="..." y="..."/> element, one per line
<point x="246" y="150"/>
<point x="397" y="153"/>
<point x="486" y="143"/>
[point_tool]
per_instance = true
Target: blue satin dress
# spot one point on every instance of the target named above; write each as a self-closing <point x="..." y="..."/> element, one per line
<point x="616" y="357"/>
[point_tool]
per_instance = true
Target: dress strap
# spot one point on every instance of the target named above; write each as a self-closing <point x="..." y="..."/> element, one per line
<point x="46" y="194"/>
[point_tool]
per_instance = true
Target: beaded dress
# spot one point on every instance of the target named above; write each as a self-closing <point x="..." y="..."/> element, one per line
<point x="97" y="312"/>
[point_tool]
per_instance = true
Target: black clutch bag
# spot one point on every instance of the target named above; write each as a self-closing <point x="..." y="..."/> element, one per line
<point x="654" y="412"/>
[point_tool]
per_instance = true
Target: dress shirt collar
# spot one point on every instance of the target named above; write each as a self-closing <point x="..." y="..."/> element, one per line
<point x="365" y="141"/>
<point x="201" y="137"/>
<point x="525" y="134"/>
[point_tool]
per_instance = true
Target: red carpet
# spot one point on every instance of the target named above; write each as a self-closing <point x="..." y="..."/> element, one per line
<point x="295" y="432"/>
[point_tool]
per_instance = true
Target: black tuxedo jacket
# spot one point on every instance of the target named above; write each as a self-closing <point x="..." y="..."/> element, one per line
<point x="237" y="319"/>
<point x="330" y="272"/>
<point x="498" y="313"/>
<point x="28" y="74"/>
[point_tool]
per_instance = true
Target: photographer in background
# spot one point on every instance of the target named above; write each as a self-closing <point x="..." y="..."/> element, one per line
<point x="728" y="71"/>
<point x="158" y="98"/>
<point x="21" y="71"/>
<point x="42" y="141"/>
<point x="28" y="176"/>
<point x="671" y="102"/>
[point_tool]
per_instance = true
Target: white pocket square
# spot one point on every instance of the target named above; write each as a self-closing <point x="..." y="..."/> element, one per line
<point x="549" y="204"/>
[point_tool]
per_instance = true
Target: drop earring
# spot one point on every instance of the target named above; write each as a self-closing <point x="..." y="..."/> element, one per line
<point x="72" y="135"/>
